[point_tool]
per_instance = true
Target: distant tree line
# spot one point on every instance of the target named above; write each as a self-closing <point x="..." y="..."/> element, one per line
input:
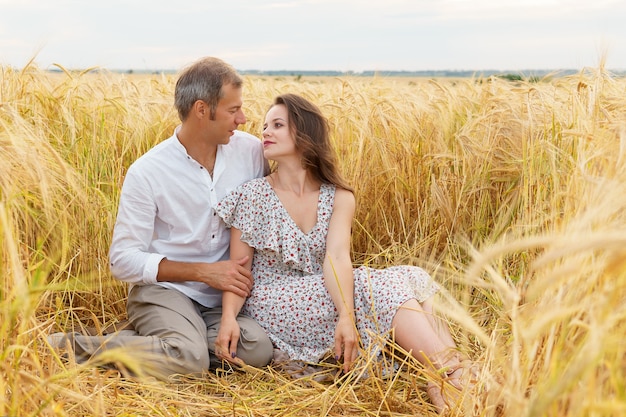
<point x="518" y="75"/>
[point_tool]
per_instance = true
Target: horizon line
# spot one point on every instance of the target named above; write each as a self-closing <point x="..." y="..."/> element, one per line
<point x="488" y="71"/>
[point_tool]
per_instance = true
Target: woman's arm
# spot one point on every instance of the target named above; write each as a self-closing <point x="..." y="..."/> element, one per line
<point x="339" y="275"/>
<point x="228" y="335"/>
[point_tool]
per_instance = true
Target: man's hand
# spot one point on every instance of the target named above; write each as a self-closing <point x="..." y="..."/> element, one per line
<point x="230" y="276"/>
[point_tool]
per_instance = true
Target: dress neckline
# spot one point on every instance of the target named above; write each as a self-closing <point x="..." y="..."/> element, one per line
<point x="286" y="213"/>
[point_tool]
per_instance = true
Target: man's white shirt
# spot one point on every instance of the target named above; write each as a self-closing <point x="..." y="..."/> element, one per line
<point x="166" y="210"/>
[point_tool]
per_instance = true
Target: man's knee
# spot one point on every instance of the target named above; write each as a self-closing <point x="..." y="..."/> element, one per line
<point x="257" y="353"/>
<point x="255" y="348"/>
<point x="189" y="358"/>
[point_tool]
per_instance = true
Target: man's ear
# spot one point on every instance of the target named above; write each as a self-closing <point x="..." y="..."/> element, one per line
<point x="200" y="109"/>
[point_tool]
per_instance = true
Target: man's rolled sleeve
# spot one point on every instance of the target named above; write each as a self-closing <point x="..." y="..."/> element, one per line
<point x="151" y="268"/>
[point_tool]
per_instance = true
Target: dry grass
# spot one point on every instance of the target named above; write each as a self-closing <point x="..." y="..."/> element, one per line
<point x="512" y="194"/>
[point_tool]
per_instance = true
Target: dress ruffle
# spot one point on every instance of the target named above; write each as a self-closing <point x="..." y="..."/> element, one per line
<point x="246" y="209"/>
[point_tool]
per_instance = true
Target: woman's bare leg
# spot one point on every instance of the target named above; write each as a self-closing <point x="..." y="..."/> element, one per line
<point x="416" y="330"/>
<point x="427" y="337"/>
<point x="438" y="324"/>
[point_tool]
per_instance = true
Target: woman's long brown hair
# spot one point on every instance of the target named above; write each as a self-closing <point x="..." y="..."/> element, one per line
<point x="311" y="134"/>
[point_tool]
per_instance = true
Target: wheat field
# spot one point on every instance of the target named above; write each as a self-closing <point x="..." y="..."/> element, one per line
<point x="512" y="194"/>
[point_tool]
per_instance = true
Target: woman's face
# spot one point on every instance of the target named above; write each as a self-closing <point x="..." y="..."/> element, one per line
<point x="277" y="138"/>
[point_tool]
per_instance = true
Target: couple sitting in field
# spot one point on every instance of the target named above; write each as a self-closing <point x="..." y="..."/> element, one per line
<point x="228" y="262"/>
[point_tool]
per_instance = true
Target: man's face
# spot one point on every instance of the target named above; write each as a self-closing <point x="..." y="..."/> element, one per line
<point x="228" y="116"/>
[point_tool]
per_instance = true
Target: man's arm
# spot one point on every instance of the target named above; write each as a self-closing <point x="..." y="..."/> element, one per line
<point x="231" y="275"/>
<point x="132" y="261"/>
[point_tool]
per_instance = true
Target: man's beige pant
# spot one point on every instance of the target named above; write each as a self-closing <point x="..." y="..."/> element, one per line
<point x="173" y="335"/>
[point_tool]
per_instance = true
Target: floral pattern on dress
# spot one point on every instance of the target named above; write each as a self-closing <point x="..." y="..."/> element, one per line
<point x="289" y="299"/>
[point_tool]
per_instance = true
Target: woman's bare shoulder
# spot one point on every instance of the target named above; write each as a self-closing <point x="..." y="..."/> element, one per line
<point x="344" y="198"/>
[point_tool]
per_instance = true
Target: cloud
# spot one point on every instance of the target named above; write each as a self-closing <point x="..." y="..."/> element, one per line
<point x="314" y="34"/>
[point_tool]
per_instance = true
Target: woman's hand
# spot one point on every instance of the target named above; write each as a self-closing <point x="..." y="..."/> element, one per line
<point x="227" y="339"/>
<point x="346" y="341"/>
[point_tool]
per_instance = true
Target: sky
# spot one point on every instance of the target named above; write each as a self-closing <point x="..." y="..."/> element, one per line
<point x="316" y="35"/>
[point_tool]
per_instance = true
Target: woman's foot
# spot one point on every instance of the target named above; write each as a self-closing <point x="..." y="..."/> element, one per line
<point x="436" y="396"/>
<point x="446" y="390"/>
<point x="443" y="395"/>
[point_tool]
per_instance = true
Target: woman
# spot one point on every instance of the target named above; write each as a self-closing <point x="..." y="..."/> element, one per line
<point x="295" y="225"/>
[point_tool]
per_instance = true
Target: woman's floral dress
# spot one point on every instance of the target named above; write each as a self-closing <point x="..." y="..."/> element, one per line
<point x="289" y="299"/>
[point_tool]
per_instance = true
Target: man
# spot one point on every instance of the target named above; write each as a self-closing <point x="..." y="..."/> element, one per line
<point x="169" y="244"/>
